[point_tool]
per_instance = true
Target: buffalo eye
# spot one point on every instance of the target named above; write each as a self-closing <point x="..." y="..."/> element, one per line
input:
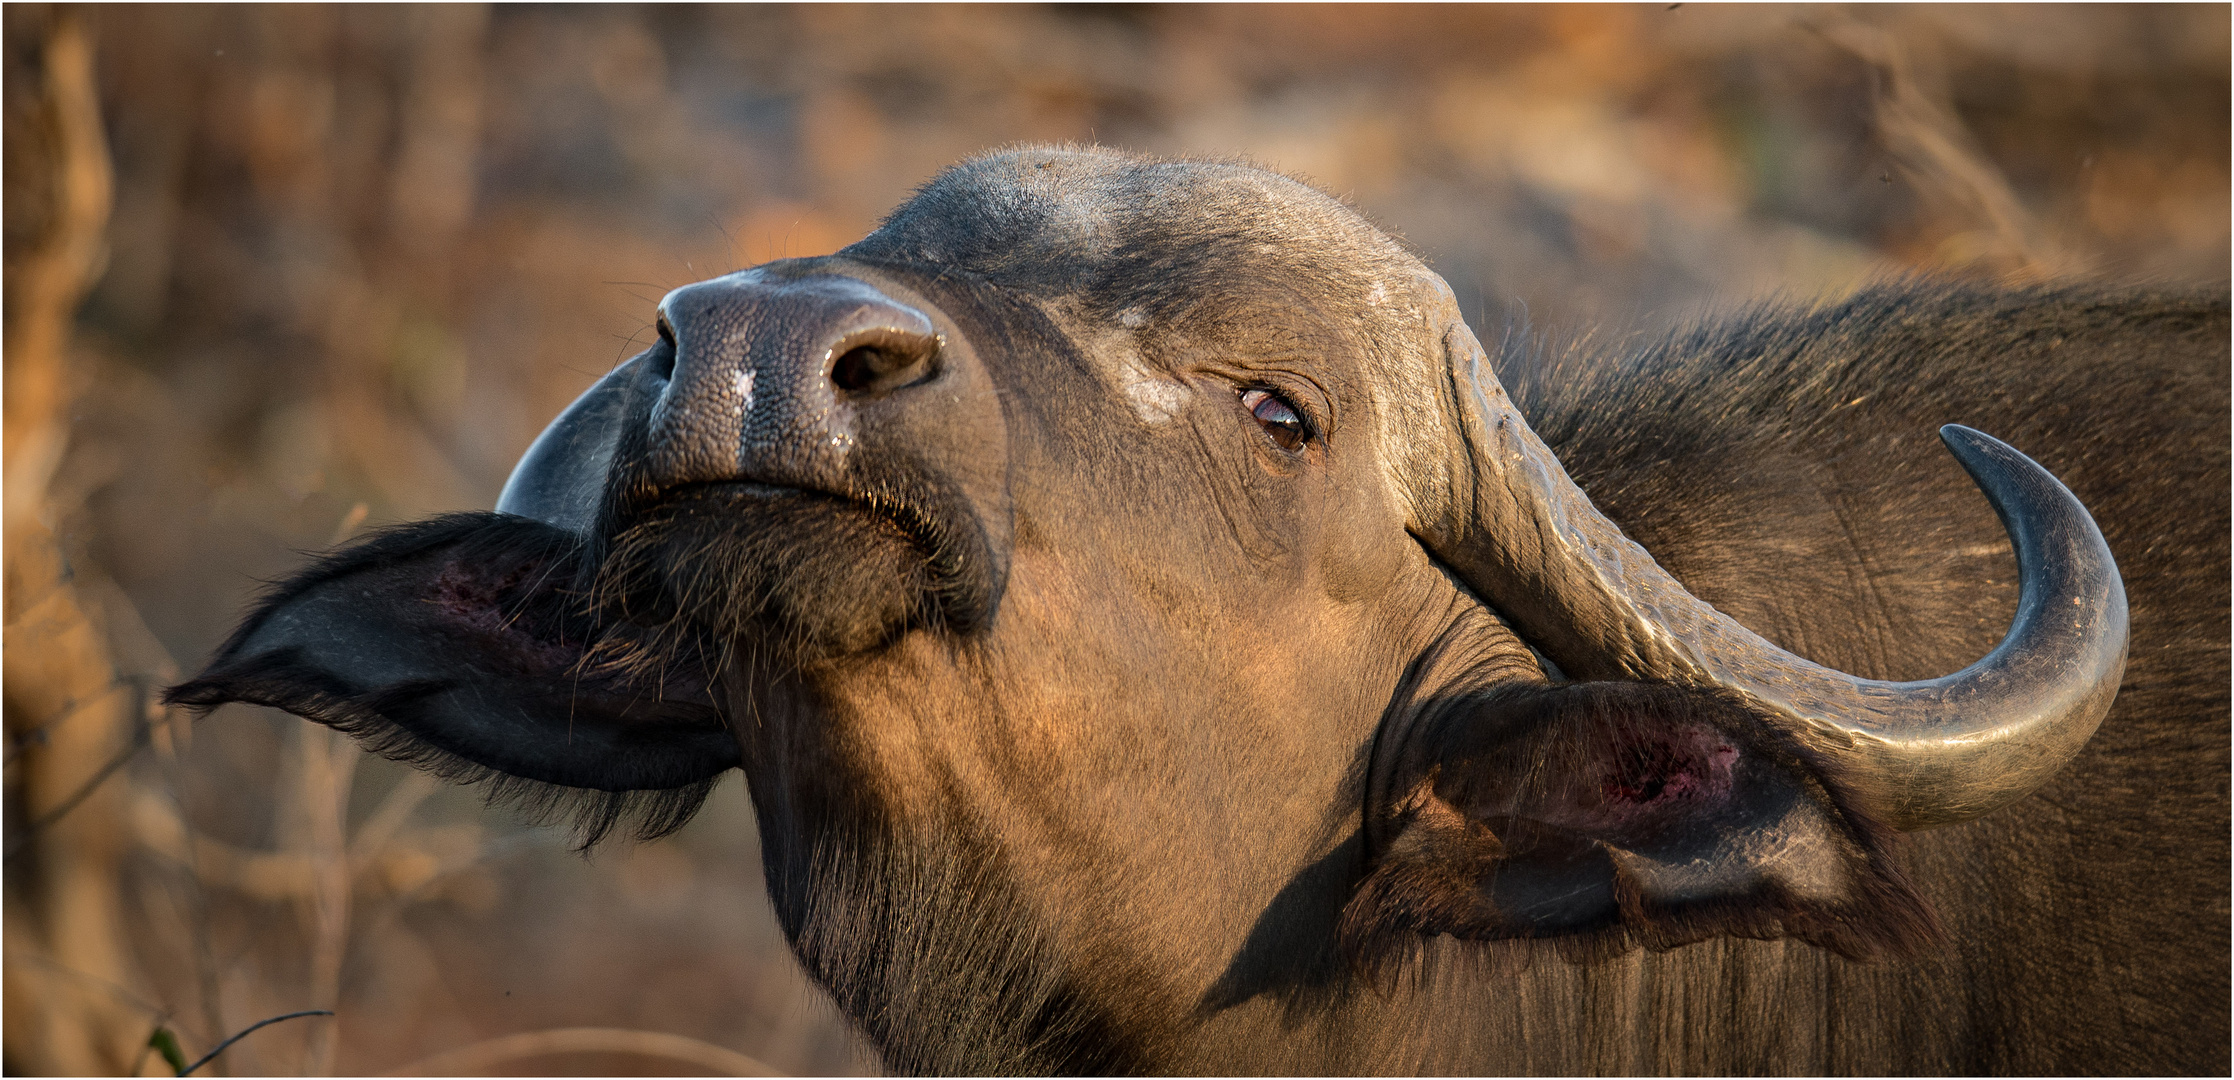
<point x="1279" y="419"/>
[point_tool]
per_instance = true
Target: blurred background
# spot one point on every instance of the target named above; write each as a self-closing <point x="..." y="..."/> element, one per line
<point x="275" y="275"/>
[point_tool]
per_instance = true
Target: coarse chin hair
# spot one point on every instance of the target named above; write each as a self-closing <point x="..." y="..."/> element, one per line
<point x="921" y="937"/>
<point x="801" y="574"/>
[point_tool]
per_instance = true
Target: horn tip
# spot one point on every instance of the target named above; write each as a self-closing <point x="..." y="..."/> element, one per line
<point x="1961" y="437"/>
<point x="1981" y="454"/>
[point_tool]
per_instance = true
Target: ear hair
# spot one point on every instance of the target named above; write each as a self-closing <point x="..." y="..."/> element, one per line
<point x="392" y="719"/>
<point x="281" y="680"/>
<point x="1609" y="816"/>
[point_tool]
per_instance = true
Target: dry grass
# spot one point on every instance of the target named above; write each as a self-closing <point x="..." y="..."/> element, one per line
<point x="481" y="1057"/>
<point x="277" y="273"/>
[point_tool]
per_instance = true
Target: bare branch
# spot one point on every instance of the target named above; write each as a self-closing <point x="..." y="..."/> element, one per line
<point x="244" y="1033"/>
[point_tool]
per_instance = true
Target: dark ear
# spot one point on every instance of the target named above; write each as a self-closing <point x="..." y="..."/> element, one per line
<point x="1618" y="814"/>
<point x="465" y="645"/>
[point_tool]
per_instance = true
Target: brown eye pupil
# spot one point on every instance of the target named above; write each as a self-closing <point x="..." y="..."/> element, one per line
<point x="1278" y="418"/>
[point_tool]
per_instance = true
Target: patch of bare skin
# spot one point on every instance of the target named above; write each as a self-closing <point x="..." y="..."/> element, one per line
<point x="1155" y="399"/>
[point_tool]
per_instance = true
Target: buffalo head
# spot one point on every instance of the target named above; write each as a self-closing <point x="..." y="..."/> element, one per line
<point x="1121" y="580"/>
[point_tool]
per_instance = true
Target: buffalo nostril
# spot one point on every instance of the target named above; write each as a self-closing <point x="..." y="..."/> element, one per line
<point x="661" y="361"/>
<point x="865" y="369"/>
<point x="881" y="361"/>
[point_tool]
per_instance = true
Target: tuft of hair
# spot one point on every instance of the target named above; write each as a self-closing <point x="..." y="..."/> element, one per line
<point x="707" y="563"/>
<point x="930" y="949"/>
<point x="590" y="816"/>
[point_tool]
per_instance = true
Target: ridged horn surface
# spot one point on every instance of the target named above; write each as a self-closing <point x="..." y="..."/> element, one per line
<point x="1916" y="755"/>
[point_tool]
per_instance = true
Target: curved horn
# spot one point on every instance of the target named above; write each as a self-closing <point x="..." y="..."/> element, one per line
<point x="1916" y="755"/>
<point x="560" y="480"/>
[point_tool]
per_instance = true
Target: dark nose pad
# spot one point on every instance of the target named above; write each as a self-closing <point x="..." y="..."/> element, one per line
<point x="773" y="377"/>
<point x="873" y="363"/>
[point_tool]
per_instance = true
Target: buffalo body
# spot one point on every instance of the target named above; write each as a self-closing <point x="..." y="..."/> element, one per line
<point x="1158" y="638"/>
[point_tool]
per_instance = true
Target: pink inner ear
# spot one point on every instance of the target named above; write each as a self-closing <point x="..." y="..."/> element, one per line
<point x="489" y="609"/>
<point x="1671" y="766"/>
<point x="1628" y="775"/>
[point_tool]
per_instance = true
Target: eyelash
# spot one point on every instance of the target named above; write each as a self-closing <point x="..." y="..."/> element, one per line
<point x="1278" y="416"/>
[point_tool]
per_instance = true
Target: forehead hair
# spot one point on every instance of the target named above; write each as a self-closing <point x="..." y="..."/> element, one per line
<point x="1105" y="229"/>
<point x="1128" y="241"/>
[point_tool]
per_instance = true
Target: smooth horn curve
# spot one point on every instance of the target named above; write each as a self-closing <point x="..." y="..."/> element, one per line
<point x="1942" y="751"/>
<point x="1914" y="755"/>
<point x="560" y="480"/>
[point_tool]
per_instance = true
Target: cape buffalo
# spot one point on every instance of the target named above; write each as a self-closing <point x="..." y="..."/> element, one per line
<point x="1158" y="638"/>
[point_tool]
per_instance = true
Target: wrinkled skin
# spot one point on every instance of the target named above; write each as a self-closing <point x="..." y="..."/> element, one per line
<point x="1272" y="597"/>
<point x="1060" y="688"/>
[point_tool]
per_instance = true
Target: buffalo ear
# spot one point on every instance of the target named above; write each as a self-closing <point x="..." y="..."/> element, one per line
<point x="464" y="645"/>
<point x="1610" y="815"/>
